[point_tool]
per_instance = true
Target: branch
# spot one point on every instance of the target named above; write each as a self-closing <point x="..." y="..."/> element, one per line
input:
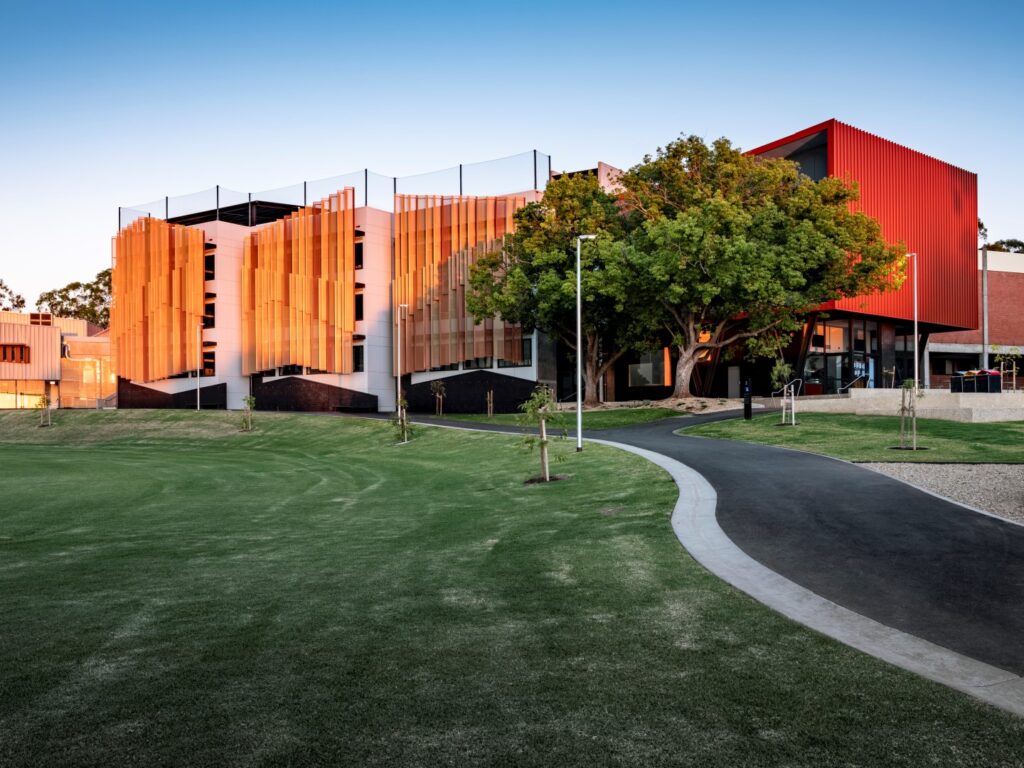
<point x="742" y="335"/>
<point x="610" y="362"/>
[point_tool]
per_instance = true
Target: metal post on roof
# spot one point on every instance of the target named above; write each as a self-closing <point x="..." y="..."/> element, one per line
<point x="460" y="178"/>
<point x="366" y="187"/>
<point x="218" y="202"/>
<point x="250" y="209"/>
<point x="535" y="169"/>
<point x="167" y="207"/>
<point x="304" y="203"/>
<point x="118" y="219"/>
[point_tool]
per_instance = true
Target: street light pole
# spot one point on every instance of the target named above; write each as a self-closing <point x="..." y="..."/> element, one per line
<point x="917" y="356"/>
<point x="579" y="345"/>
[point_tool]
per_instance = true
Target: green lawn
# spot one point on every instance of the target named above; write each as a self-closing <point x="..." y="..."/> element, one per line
<point x="175" y="592"/>
<point x="592" y="420"/>
<point x="867" y="438"/>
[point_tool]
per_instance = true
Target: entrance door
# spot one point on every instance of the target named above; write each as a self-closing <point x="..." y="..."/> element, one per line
<point x="734" y="381"/>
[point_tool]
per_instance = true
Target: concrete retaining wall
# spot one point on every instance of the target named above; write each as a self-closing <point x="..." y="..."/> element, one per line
<point x="967" y="407"/>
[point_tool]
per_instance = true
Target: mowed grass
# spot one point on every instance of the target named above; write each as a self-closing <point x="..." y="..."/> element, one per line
<point x="175" y="592"/>
<point x="868" y="438"/>
<point x="592" y="420"/>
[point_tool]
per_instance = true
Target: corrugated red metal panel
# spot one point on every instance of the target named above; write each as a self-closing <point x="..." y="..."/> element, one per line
<point x="930" y="205"/>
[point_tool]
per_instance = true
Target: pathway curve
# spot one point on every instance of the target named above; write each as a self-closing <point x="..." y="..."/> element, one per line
<point x="882" y="549"/>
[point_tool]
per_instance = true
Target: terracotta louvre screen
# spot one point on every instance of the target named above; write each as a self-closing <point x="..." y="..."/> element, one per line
<point x="437" y="239"/>
<point x="156" y="299"/>
<point x="298" y="289"/>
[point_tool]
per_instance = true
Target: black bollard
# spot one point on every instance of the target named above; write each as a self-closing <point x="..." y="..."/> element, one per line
<point x="748" y="407"/>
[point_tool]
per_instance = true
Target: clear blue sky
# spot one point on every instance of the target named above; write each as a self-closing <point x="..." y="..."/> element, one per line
<point x="114" y="105"/>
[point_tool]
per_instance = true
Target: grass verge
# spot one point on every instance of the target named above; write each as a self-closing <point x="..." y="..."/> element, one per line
<point x="175" y="592"/>
<point x="868" y="438"/>
<point x="611" y="418"/>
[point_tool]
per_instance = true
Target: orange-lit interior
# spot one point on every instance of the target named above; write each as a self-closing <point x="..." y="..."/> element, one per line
<point x="86" y="376"/>
<point x="437" y="239"/>
<point x="157" y="299"/>
<point x="298" y="289"/>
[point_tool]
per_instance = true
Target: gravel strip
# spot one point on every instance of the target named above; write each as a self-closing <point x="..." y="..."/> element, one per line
<point x="994" y="488"/>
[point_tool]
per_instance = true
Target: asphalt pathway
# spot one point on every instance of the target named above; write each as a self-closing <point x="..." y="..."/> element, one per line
<point x="872" y="544"/>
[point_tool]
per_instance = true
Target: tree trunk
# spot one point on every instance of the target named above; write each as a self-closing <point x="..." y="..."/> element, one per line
<point x="684" y="371"/>
<point x="591" y="378"/>
<point x="591" y="374"/>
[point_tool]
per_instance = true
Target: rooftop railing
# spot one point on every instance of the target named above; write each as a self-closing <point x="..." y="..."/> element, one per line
<point x="516" y="173"/>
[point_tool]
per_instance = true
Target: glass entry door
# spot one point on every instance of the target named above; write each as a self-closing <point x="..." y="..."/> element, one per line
<point x="841" y="354"/>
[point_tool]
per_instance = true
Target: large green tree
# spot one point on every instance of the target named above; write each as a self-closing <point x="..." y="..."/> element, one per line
<point x="9" y="300"/>
<point x="88" y="301"/>
<point x="531" y="279"/>
<point x="734" y="248"/>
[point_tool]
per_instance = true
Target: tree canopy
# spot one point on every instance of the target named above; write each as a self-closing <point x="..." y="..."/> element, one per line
<point x="9" y="300"/>
<point x="734" y="248"/>
<point x="704" y="247"/>
<point x="531" y="278"/>
<point x="88" y="301"/>
<point x="1012" y="245"/>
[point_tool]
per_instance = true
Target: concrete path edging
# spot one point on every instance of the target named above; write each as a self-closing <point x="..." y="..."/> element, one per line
<point x="697" y="529"/>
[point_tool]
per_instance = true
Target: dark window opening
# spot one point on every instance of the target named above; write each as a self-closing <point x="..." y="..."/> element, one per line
<point x="291" y="370"/>
<point x="14" y="353"/>
<point x="358" y="359"/>
<point x="40" y="318"/>
<point x="359" y="306"/>
<point x="451" y="367"/>
<point x="209" y="363"/>
<point x="359" y="256"/>
<point x="209" y="267"/>
<point x="527" y="354"/>
<point x="210" y="316"/>
<point x="477" y="362"/>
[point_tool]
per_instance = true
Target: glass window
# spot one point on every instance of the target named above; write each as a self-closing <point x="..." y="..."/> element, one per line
<point x="527" y="354"/>
<point x="358" y="359"/>
<point x="359" y="256"/>
<point x="210" y="315"/>
<point x="359" y="306"/>
<point x="478" y="362"/>
<point x="837" y="336"/>
<point x="649" y="372"/>
<point x="209" y="362"/>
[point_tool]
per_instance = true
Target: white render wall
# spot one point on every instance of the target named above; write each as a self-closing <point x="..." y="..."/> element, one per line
<point x="379" y="378"/>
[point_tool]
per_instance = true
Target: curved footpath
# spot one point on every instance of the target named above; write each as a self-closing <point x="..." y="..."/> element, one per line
<point x="916" y="580"/>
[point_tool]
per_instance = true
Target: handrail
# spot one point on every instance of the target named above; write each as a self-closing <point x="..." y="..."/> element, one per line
<point x="847" y="386"/>
<point x="786" y="386"/>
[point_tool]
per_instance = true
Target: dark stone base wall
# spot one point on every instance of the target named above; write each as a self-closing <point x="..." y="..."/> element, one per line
<point x="292" y="393"/>
<point x="467" y="393"/>
<point x="130" y="395"/>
